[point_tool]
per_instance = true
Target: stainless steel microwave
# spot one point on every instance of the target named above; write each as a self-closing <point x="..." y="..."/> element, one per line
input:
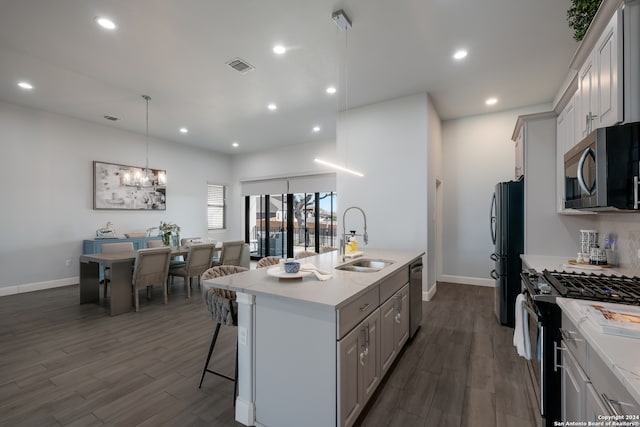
<point x="601" y="171"/>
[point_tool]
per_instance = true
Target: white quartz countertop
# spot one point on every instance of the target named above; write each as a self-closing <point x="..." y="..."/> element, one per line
<point x="561" y="263"/>
<point x="621" y="354"/>
<point x="343" y="287"/>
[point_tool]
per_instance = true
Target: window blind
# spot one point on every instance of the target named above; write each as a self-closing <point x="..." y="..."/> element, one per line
<point x="215" y="207"/>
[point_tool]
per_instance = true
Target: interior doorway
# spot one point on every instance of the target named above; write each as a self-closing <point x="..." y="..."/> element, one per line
<point x="439" y="213"/>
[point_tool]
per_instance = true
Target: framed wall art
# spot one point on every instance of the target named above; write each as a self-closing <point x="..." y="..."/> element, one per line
<point x="128" y="187"/>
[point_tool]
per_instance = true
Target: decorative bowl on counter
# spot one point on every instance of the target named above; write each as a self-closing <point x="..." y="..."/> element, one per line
<point x="132" y="235"/>
<point x="291" y="267"/>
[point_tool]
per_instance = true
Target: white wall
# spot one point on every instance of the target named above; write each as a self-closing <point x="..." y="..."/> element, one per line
<point x="388" y="143"/>
<point x="47" y="175"/>
<point x="477" y="153"/>
<point x="287" y="161"/>
<point x="434" y="173"/>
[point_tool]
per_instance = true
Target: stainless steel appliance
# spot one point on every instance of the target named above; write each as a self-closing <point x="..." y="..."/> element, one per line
<point x="507" y="234"/>
<point x="544" y="333"/>
<point x="415" y="296"/>
<point x="602" y="170"/>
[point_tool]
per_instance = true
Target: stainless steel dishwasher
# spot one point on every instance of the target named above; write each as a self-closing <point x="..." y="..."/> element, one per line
<point x="415" y="296"/>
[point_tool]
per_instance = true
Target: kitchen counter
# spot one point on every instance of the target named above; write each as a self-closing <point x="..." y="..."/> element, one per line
<point x="342" y="288"/>
<point x="291" y="333"/>
<point x="620" y="354"/>
<point x="560" y="263"/>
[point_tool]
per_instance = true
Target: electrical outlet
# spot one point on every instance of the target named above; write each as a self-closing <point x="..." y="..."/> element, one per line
<point x="68" y="262"/>
<point x="242" y="335"/>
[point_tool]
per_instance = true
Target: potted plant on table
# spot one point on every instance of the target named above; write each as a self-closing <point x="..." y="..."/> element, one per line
<point x="167" y="230"/>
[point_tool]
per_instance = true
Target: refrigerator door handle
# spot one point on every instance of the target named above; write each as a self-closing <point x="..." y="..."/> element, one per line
<point x="493" y="256"/>
<point x="494" y="275"/>
<point x="493" y="217"/>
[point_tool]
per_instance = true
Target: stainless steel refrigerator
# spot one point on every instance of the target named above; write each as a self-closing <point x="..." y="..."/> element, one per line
<point x="507" y="233"/>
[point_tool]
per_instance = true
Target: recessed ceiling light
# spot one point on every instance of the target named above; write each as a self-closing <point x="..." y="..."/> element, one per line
<point x="25" y="85"/>
<point x="235" y="144"/>
<point x="316" y="128"/>
<point x="272" y="107"/>
<point x="279" y="49"/>
<point x="491" y="101"/>
<point x="184" y="130"/>
<point x="106" y="23"/>
<point x="331" y="90"/>
<point x="460" y="54"/>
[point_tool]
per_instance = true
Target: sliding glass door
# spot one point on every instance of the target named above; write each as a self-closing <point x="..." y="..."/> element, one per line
<point x="286" y="224"/>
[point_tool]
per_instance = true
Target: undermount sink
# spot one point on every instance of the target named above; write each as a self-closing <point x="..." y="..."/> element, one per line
<point x="365" y="265"/>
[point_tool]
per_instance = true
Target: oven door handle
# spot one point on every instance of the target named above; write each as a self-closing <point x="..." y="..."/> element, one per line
<point x="557" y="348"/>
<point x="566" y="335"/>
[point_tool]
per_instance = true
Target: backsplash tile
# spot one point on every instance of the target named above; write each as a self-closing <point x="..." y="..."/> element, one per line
<point x="626" y="228"/>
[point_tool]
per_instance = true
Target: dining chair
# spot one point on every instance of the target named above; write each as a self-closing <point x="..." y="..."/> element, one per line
<point x="223" y="307"/>
<point x="231" y="253"/>
<point x="190" y="240"/>
<point x="198" y="261"/>
<point x="305" y="254"/>
<point x="110" y="248"/>
<point x="268" y="261"/>
<point x="151" y="268"/>
<point x="155" y="243"/>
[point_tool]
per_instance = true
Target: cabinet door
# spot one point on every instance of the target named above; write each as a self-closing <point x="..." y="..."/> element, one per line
<point x="388" y="348"/>
<point x="594" y="406"/>
<point x="586" y="88"/>
<point x="370" y="363"/>
<point x="573" y="387"/>
<point x="608" y="80"/>
<point x="402" y="317"/>
<point x="350" y="400"/>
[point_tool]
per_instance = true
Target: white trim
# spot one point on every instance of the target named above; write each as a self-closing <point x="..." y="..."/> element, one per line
<point x="463" y="280"/>
<point x="38" y="286"/>
<point x="242" y="298"/>
<point x="428" y="295"/>
<point x="245" y="412"/>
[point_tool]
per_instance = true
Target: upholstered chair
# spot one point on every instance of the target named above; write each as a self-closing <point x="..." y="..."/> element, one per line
<point x="151" y="268"/>
<point x="198" y="261"/>
<point x="268" y="261"/>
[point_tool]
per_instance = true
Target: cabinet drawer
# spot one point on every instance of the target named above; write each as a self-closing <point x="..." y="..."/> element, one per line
<point x="351" y="314"/>
<point x="574" y="340"/>
<point x="393" y="283"/>
<point x="609" y="388"/>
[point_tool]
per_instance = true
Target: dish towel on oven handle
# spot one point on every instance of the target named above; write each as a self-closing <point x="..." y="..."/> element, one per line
<point x="521" y="332"/>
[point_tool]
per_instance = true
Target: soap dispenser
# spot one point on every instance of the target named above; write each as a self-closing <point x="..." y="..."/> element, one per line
<point x="353" y="243"/>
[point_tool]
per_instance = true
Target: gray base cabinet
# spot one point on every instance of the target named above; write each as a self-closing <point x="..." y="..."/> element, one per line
<point x="394" y="327"/>
<point x="359" y="367"/>
<point x="366" y="353"/>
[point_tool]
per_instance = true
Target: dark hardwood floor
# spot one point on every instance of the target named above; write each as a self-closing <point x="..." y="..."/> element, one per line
<point x="65" y="364"/>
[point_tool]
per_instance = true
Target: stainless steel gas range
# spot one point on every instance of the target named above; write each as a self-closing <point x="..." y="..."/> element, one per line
<point x="544" y="322"/>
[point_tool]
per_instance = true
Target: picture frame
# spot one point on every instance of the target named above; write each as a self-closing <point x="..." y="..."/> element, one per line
<point x="123" y="187"/>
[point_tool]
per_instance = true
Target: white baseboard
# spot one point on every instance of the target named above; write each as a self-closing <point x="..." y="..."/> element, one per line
<point x="428" y="295"/>
<point x="464" y="280"/>
<point x="38" y="286"/>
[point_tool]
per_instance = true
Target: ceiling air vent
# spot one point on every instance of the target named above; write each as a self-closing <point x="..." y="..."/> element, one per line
<point x="240" y="65"/>
<point x="112" y="118"/>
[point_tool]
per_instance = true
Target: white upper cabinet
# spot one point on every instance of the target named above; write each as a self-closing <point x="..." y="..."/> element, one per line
<point x="600" y="89"/>
<point x="608" y="58"/>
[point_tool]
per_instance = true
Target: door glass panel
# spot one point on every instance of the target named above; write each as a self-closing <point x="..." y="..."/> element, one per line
<point x="328" y="230"/>
<point x="278" y="225"/>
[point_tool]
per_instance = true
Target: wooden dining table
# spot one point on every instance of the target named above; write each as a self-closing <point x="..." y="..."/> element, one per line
<point x="121" y="264"/>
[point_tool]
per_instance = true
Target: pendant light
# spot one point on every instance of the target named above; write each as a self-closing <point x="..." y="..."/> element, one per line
<point x="343" y="22"/>
<point x="147" y="173"/>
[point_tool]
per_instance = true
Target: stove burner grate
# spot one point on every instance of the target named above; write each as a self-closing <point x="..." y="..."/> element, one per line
<point x="617" y="289"/>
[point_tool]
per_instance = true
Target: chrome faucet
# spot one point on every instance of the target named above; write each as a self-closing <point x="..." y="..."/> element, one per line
<point x="365" y="236"/>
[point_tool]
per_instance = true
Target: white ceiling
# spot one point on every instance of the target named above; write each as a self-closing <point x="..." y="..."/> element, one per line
<point x="176" y="50"/>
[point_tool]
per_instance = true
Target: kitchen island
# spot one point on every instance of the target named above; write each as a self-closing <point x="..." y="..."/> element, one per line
<point x="312" y="352"/>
